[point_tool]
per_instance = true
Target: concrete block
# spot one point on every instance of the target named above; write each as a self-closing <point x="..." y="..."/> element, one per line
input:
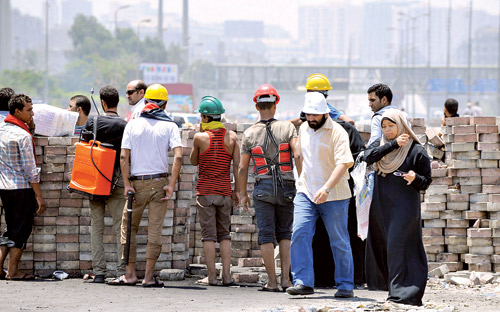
<point x="486" y="129"/>
<point x="489" y="138"/>
<point x="250" y="262"/>
<point x="490" y="155"/>
<point x="245" y="277"/>
<point x="482" y="233"/>
<point x="482" y="250"/>
<point x="462" y="147"/>
<point x="479" y="242"/>
<point x="172" y="275"/>
<point x="466" y="138"/>
<point x="464" y="164"/>
<point x="457" y="121"/>
<point x="439" y="271"/>
<point x="463" y="129"/>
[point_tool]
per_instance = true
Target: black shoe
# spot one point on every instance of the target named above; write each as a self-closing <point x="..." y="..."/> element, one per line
<point x="99" y="279"/>
<point x="344" y="293"/>
<point x="300" y="290"/>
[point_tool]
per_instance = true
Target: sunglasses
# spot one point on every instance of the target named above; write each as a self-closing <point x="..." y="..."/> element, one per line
<point x="130" y="92"/>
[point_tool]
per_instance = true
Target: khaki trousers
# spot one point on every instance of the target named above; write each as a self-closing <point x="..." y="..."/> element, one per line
<point x="147" y="193"/>
<point x="114" y="203"/>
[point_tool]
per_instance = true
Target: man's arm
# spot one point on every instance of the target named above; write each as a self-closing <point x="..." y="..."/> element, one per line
<point x="375" y="129"/>
<point x="39" y="198"/>
<point x="195" y="152"/>
<point x="346" y="119"/>
<point x="296" y="122"/>
<point x="125" y="167"/>
<point x="236" y="163"/>
<point x="296" y="154"/>
<point x="242" y="177"/>
<point x="176" y="170"/>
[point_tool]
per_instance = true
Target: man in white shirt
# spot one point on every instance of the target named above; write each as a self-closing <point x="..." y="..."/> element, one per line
<point x="379" y="99"/>
<point x="323" y="190"/>
<point x="135" y="96"/>
<point x="144" y="163"/>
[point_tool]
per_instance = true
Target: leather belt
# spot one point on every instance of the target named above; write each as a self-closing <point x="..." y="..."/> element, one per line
<point x="148" y="177"/>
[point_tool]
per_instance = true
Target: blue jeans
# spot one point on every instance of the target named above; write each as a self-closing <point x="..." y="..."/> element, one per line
<point x="334" y="215"/>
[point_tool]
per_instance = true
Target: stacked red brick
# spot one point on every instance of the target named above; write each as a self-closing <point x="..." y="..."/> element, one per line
<point x="61" y="236"/>
<point x="462" y="202"/>
<point x="243" y="224"/>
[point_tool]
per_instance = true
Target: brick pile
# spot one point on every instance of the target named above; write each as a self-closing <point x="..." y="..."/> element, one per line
<point x="461" y="210"/>
<point x="61" y="236"/>
<point x="243" y="225"/>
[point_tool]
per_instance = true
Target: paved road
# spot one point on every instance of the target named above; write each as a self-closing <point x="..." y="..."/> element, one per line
<point x="79" y="295"/>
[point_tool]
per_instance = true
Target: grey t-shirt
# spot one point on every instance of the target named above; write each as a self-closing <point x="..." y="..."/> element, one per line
<point x="283" y="132"/>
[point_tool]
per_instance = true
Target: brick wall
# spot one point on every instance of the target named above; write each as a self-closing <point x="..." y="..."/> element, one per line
<point x="452" y="233"/>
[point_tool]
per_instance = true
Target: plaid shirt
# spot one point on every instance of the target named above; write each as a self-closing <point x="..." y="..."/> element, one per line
<point x="17" y="162"/>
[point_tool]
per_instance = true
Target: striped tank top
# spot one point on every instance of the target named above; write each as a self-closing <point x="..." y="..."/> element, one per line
<point x="214" y="167"/>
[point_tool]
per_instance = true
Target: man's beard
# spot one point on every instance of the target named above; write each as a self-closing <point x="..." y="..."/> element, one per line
<point x="316" y="125"/>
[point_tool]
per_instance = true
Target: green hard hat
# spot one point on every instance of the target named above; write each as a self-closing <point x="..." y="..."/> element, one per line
<point x="210" y="105"/>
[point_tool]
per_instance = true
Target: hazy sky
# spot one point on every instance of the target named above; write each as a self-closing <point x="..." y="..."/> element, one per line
<point x="279" y="12"/>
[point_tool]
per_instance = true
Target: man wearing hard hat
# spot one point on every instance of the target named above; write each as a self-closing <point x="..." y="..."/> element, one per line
<point x="270" y="144"/>
<point x="322" y="190"/>
<point x="144" y="163"/>
<point x="213" y="149"/>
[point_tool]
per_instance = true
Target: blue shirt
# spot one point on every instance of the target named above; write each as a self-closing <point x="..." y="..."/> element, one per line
<point x="334" y="114"/>
<point x="375" y="126"/>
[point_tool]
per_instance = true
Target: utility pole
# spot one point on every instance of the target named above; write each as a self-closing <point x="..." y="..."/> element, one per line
<point x="497" y="110"/>
<point x="469" y="54"/>
<point x="185" y="30"/>
<point x="448" y="49"/>
<point x="429" y="56"/>
<point x="46" y="84"/>
<point x="160" y="20"/>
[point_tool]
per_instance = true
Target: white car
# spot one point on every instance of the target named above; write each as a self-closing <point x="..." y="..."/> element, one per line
<point x="187" y="119"/>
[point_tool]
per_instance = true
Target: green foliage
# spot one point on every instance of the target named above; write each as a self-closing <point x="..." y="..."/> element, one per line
<point x="201" y="73"/>
<point x="100" y="58"/>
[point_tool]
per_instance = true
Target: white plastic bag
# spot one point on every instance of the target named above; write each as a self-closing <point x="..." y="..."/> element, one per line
<point x="363" y="177"/>
<point x="53" y="121"/>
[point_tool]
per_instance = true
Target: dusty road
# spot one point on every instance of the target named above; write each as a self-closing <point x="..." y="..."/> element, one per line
<point x="79" y="295"/>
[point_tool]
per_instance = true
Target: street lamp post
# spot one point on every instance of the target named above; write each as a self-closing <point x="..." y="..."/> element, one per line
<point x="146" y="20"/>
<point x="116" y="14"/>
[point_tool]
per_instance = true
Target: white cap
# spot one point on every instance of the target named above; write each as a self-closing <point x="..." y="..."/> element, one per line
<point x="268" y="98"/>
<point x="315" y="104"/>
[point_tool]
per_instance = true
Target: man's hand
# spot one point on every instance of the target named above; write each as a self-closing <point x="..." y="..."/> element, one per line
<point x="236" y="197"/>
<point x="41" y="205"/>
<point x="127" y="189"/>
<point x="403" y="139"/>
<point x="320" y="196"/>
<point x="245" y="202"/>
<point x="169" y="190"/>
<point x="410" y="176"/>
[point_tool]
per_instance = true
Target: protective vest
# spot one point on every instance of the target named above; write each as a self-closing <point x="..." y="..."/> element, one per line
<point x="280" y="162"/>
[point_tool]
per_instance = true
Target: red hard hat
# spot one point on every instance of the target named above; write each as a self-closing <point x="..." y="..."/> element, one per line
<point x="266" y="89"/>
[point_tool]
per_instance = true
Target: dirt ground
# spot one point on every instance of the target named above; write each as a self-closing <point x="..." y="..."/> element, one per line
<point x="80" y="295"/>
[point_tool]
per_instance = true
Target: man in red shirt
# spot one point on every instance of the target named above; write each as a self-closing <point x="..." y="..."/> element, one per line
<point x="213" y="149"/>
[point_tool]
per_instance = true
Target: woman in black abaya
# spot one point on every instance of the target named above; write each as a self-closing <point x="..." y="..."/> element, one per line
<point x="395" y="256"/>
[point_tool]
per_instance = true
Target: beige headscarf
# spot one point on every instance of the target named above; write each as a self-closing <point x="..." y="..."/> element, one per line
<point x="392" y="161"/>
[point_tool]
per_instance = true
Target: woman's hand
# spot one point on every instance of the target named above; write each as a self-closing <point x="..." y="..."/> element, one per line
<point x="410" y="176"/>
<point x="403" y="139"/>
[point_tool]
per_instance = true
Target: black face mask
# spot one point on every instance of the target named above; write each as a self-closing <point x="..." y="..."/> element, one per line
<point x="315" y="125"/>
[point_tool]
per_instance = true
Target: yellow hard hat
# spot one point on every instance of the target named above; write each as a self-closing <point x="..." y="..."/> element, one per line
<point x="318" y="82"/>
<point x="156" y="92"/>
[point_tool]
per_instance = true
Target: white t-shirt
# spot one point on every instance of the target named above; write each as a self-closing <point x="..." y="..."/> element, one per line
<point x="149" y="141"/>
<point x="137" y="108"/>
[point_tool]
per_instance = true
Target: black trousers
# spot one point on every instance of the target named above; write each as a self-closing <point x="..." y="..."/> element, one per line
<point x="20" y="207"/>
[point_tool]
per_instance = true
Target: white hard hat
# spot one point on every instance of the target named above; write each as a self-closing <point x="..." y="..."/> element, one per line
<point x="315" y="104"/>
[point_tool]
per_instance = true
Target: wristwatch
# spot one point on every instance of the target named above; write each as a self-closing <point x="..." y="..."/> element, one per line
<point x="327" y="189"/>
